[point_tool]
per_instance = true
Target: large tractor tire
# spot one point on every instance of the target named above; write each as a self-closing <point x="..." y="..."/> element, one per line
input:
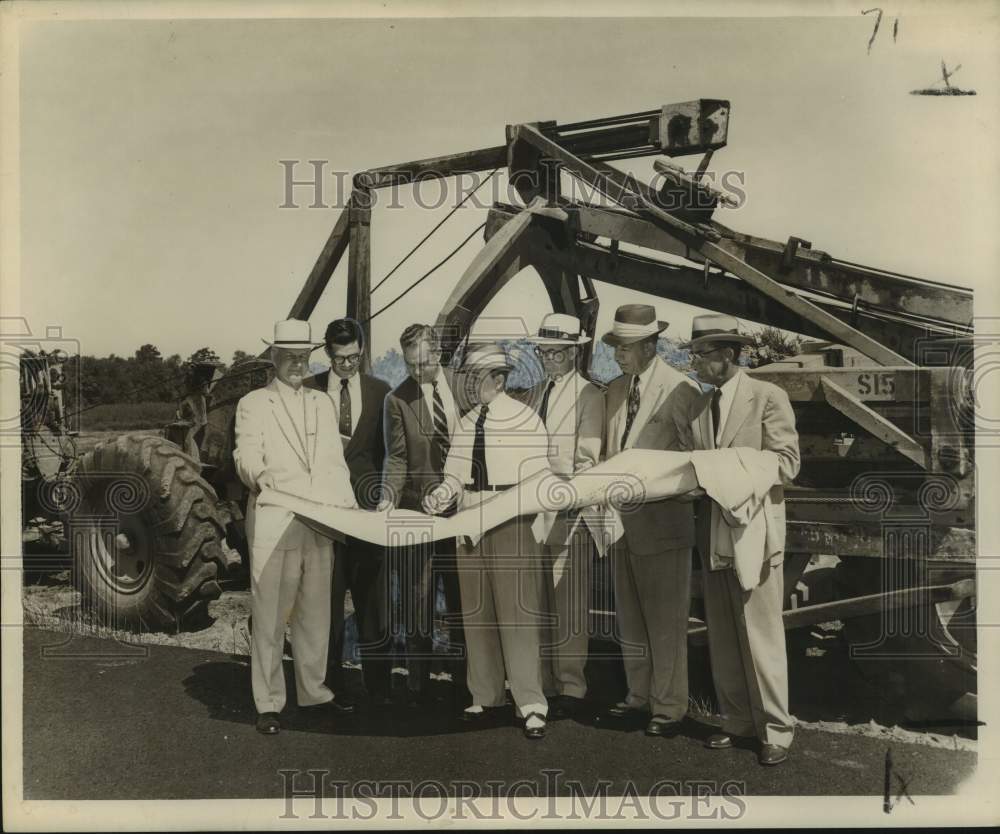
<point x="147" y="537"/>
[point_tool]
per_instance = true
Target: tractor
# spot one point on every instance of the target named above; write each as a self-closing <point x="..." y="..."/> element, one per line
<point x="883" y="402"/>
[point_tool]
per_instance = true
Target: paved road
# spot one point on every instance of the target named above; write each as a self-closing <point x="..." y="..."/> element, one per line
<point x="107" y="721"/>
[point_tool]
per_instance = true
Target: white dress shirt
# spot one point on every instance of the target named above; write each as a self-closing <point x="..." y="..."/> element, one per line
<point x="516" y="444"/>
<point x="728" y="390"/>
<point x="353" y="388"/>
<point x="447" y="400"/>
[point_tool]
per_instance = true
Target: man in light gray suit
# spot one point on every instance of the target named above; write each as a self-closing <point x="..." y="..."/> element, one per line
<point x="746" y="635"/>
<point x="572" y="409"/>
<point x="653" y="558"/>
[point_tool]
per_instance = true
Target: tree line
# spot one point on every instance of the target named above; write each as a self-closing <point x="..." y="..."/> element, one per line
<point x="148" y="376"/>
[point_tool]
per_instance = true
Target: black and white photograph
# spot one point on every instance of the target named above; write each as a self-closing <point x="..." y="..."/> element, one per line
<point x="490" y="414"/>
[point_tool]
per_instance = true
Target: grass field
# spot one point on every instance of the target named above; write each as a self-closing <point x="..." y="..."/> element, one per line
<point x="127" y="416"/>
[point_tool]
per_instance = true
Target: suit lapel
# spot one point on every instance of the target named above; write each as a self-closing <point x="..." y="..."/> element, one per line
<point x="285" y="425"/>
<point x="701" y="425"/>
<point x="648" y="401"/>
<point x="616" y="425"/>
<point x="739" y="411"/>
<point x="362" y="384"/>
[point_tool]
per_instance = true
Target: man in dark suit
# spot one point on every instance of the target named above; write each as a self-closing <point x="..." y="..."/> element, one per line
<point x="359" y="567"/>
<point x="420" y="422"/>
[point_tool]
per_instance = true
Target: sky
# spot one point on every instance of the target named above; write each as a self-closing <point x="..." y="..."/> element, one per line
<point x="150" y="153"/>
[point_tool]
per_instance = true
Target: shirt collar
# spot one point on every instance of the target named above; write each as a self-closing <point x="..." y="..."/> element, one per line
<point x="647" y="374"/>
<point x="286" y="390"/>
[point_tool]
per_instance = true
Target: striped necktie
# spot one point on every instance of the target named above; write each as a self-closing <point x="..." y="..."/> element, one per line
<point x="633" y="409"/>
<point x="441" y="435"/>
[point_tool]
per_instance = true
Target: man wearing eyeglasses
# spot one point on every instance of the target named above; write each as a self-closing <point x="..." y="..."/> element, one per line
<point x="359" y="567"/>
<point x="746" y="634"/>
<point x="420" y="422"/>
<point x="572" y="409"/>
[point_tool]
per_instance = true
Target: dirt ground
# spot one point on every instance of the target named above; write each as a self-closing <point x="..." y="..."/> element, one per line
<point x="829" y="692"/>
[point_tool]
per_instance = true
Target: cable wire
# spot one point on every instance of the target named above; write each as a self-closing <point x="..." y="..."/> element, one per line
<point x="429" y="272"/>
<point x="438" y="226"/>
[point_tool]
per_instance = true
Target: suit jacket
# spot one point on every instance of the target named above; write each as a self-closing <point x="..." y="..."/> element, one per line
<point x="654" y="526"/>
<point x="575" y="424"/>
<point x="365" y="451"/>
<point x="761" y="417"/>
<point x="413" y="464"/>
<point x="268" y="440"/>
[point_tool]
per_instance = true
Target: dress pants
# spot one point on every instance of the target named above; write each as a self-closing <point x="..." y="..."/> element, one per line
<point x="361" y="568"/>
<point x="746" y="642"/>
<point x="652" y="601"/>
<point x="418" y="569"/>
<point x="293" y="587"/>
<point x="565" y="632"/>
<point x="501" y="578"/>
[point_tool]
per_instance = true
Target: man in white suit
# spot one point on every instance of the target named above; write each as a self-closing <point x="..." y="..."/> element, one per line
<point x="746" y="634"/>
<point x="653" y="557"/>
<point x="286" y="439"/>
<point x="572" y="409"/>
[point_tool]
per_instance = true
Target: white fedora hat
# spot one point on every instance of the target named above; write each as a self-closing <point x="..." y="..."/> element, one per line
<point x="559" y="329"/>
<point x="292" y="333"/>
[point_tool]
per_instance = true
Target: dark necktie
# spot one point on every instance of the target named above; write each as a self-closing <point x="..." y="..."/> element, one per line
<point x="480" y="477"/>
<point x="345" y="408"/>
<point x="633" y="409"/>
<point x="543" y="412"/>
<point x="441" y="437"/>
<point x="716" y="413"/>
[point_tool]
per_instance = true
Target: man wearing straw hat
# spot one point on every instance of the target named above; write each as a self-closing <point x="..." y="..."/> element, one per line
<point x="746" y="635"/>
<point x="499" y="443"/>
<point x="286" y="439"/>
<point x="572" y="409"/>
<point x="653" y="557"/>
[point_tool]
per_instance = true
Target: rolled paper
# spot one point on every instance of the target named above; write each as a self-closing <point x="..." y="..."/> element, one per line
<point x="631" y="477"/>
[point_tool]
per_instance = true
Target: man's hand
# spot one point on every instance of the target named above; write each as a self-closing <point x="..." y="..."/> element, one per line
<point x="693" y="495"/>
<point x="437" y="500"/>
<point x="385" y="505"/>
<point x="265" y="481"/>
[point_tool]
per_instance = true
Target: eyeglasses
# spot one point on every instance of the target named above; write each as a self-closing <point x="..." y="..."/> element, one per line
<point x="354" y="358"/>
<point x="701" y="354"/>
<point x="555" y="354"/>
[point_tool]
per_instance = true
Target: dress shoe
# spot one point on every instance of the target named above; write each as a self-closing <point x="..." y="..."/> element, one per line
<point x="726" y="741"/>
<point x="474" y="716"/>
<point x="334" y="707"/>
<point x="621" y="716"/>
<point x="663" y="726"/>
<point x="534" y="732"/>
<point x="565" y="706"/>
<point x="771" y="754"/>
<point x="268" y="723"/>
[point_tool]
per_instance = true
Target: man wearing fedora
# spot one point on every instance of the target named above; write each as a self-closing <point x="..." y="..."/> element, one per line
<point x="498" y="443"/>
<point x="746" y="635"/>
<point x="420" y="420"/>
<point x="653" y="557"/>
<point x="572" y="409"/>
<point x="359" y="567"/>
<point x="286" y="439"/>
